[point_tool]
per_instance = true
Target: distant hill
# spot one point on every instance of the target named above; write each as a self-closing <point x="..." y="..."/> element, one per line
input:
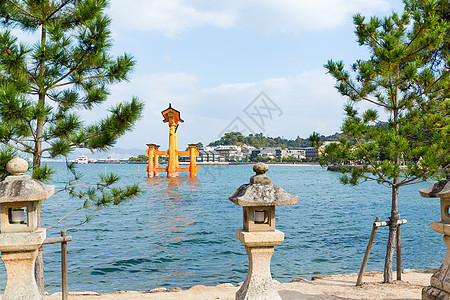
<point x="259" y="140"/>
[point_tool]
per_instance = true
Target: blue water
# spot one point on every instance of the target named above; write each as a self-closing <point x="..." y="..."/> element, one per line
<point x="181" y="232"/>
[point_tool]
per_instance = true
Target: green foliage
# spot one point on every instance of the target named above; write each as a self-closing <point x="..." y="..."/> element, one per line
<point x="291" y="159"/>
<point x="407" y="77"/>
<point x="262" y="159"/>
<point x="199" y="146"/>
<point x="401" y="78"/>
<point x="315" y="140"/>
<point x="46" y="86"/>
<point x="99" y="195"/>
<point x="141" y="157"/>
<point x="258" y="140"/>
<point x="43" y="173"/>
<point x="6" y="154"/>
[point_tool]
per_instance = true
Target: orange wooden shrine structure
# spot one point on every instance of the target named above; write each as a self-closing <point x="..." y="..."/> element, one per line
<point x="171" y="116"/>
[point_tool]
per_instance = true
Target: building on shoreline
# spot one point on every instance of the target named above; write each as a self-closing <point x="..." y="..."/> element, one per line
<point x="205" y="156"/>
<point x="291" y="152"/>
<point x="269" y="152"/>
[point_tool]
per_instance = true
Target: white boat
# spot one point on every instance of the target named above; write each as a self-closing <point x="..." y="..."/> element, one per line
<point x="83" y="159"/>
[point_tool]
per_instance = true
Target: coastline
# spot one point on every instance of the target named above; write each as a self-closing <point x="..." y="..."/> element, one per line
<point x="323" y="287"/>
<point x="289" y="164"/>
<point x="226" y="163"/>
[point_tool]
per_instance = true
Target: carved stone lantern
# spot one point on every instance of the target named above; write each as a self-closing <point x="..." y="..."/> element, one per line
<point x="258" y="199"/>
<point x="21" y="239"/>
<point x="439" y="287"/>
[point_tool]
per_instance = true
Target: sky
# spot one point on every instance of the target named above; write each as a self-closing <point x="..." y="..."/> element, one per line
<point x="250" y="66"/>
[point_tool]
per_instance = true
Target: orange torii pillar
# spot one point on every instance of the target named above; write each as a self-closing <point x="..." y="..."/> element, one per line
<point x="193" y="160"/>
<point x="171" y="116"/>
<point x="153" y="153"/>
<point x="156" y="160"/>
<point x="172" y="166"/>
<point x="149" y="152"/>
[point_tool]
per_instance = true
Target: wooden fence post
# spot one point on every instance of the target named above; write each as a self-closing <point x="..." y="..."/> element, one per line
<point x="64" y="266"/>
<point x="366" y="255"/>
<point x="399" y="252"/>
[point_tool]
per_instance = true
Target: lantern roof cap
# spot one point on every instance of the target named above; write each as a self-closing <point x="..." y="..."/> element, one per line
<point x="177" y="114"/>
<point x="261" y="192"/>
<point x="440" y="189"/>
<point x="19" y="187"/>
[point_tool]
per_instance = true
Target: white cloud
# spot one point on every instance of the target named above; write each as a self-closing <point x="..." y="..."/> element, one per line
<point x="293" y="16"/>
<point x="172" y="17"/>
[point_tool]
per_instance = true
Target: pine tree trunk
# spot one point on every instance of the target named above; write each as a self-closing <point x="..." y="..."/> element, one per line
<point x="37" y="156"/>
<point x="389" y="260"/>
<point x="39" y="265"/>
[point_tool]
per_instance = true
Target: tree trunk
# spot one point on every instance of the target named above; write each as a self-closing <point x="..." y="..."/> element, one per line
<point x="39" y="265"/>
<point x="389" y="260"/>
<point x="37" y="156"/>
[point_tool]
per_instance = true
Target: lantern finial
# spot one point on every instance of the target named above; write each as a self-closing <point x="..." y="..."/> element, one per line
<point x="17" y="166"/>
<point x="260" y="177"/>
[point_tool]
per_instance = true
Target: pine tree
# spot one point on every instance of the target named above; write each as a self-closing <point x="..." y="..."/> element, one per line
<point x="315" y="140"/>
<point x="44" y="87"/>
<point x="407" y="77"/>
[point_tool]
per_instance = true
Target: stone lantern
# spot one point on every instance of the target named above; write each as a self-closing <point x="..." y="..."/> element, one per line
<point x="258" y="199"/>
<point x="21" y="239"/>
<point x="439" y="287"/>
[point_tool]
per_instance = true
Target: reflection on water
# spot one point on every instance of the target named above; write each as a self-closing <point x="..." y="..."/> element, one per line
<point x="174" y="218"/>
<point x="181" y="231"/>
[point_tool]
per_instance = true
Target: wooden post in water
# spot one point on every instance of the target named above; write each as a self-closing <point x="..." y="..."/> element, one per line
<point x="399" y="252"/>
<point x="366" y="255"/>
<point x="64" y="266"/>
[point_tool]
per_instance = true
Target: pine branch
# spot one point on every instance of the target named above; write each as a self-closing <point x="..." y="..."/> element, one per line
<point x="80" y="80"/>
<point x="364" y="98"/>
<point x="33" y="133"/>
<point x="70" y="213"/>
<point x="379" y="180"/>
<point x="410" y="181"/>
<point x="415" y="36"/>
<point x="19" y="142"/>
<point x="73" y="145"/>
<point x="14" y="147"/>
<point x="57" y="9"/>
<point x="367" y="156"/>
<point x="22" y="10"/>
<point x="71" y="70"/>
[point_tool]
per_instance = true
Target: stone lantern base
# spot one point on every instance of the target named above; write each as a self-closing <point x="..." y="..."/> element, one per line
<point x="432" y="293"/>
<point x="258" y="284"/>
<point x="18" y="252"/>
<point x="440" y="281"/>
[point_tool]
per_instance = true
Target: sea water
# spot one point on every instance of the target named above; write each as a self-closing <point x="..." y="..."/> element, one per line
<point x="181" y="231"/>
